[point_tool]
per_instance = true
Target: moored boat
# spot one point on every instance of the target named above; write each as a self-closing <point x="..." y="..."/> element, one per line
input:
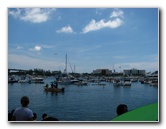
<point x="24" y="79"/>
<point x="117" y="82"/>
<point x="127" y="82"/>
<point x="154" y="83"/>
<point x="36" y="80"/>
<point x="12" y="79"/>
<point x="81" y="83"/>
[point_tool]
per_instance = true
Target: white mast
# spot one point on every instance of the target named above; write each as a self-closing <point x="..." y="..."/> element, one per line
<point x="65" y="70"/>
<point x="74" y="69"/>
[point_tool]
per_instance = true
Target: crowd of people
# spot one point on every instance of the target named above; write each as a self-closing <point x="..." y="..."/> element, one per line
<point x="23" y="113"/>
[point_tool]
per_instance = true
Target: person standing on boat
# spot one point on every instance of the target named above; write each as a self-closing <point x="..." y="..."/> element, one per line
<point x="23" y="113"/>
<point x="56" y="85"/>
<point x="52" y="86"/>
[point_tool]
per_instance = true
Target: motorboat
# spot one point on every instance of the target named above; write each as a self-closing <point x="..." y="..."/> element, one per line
<point x="36" y="80"/>
<point x="12" y="79"/>
<point x="127" y="82"/>
<point x="117" y="82"/>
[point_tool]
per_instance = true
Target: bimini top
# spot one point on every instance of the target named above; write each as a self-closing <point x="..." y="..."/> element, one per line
<point x="148" y="113"/>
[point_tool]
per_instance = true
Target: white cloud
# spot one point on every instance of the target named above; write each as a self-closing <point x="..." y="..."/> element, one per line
<point x="36" y="48"/>
<point x="66" y="29"/>
<point x="117" y="13"/>
<point x="93" y="25"/>
<point x="14" y="13"/>
<point x="35" y="15"/>
<point x="115" y="20"/>
<point x="19" y="47"/>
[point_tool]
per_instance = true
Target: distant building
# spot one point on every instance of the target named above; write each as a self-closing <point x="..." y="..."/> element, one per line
<point x="117" y="74"/>
<point x="133" y="72"/>
<point x="101" y="72"/>
<point x="142" y="72"/>
<point x="110" y="72"/>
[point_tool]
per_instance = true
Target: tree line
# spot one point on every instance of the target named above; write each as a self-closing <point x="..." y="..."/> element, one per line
<point x="35" y="71"/>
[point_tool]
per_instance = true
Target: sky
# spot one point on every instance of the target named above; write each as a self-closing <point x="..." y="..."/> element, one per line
<point x="92" y="38"/>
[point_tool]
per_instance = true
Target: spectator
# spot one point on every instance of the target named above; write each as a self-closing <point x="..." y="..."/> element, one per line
<point x="23" y="113"/>
<point x="122" y="108"/>
<point x="48" y="118"/>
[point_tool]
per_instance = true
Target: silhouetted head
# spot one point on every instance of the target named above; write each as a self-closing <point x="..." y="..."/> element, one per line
<point x="44" y="115"/>
<point x="24" y="101"/>
<point x="122" y="108"/>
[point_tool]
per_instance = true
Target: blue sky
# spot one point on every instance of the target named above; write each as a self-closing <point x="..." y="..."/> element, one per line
<point x="93" y="38"/>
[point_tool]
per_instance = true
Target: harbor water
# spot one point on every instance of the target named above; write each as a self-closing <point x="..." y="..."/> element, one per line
<point x="81" y="103"/>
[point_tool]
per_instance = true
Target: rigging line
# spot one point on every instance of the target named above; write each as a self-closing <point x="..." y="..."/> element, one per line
<point x="70" y="65"/>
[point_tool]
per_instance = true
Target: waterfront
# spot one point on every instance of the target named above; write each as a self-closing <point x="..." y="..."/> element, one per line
<point x="82" y="103"/>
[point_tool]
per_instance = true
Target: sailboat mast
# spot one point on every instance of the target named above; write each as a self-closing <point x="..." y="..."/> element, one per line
<point x="66" y="64"/>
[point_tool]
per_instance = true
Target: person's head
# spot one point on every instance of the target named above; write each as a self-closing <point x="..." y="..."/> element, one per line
<point x="44" y="115"/>
<point x="24" y="101"/>
<point x="122" y="108"/>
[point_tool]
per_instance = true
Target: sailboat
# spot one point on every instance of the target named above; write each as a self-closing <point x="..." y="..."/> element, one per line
<point x="66" y="80"/>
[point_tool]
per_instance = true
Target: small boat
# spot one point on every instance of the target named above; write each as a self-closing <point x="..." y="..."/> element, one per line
<point x="12" y="79"/>
<point x="54" y="87"/>
<point x="24" y="79"/>
<point x="117" y="82"/>
<point x="49" y="89"/>
<point x="154" y="83"/>
<point x="64" y="81"/>
<point x="81" y="83"/>
<point x="127" y="82"/>
<point x="134" y="80"/>
<point x="36" y="80"/>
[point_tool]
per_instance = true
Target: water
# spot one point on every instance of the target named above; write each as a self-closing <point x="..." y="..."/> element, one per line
<point x="81" y="103"/>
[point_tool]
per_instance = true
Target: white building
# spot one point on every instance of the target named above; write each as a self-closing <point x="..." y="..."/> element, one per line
<point x="133" y="71"/>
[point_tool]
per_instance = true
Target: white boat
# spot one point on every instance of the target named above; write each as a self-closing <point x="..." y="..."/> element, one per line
<point x="36" y="80"/>
<point x="12" y="79"/>
<point x="127" y="82"/>
<point x="67" y="79"/>
<point x="117" y="82"/>
<point x="154" y="83"/>
<point x="64" y="81"/>
<point x="81" y="83"/>
<point x="24" y="79"/>
<point x="134" y="80"/>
